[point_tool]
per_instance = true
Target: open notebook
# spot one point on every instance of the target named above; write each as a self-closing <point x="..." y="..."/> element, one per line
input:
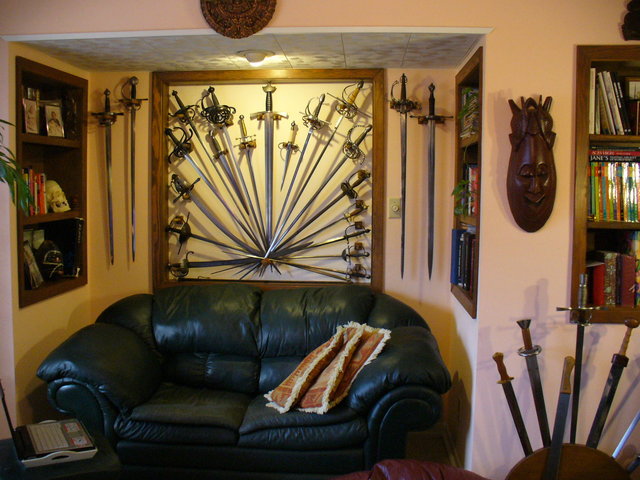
<point x="49" y="442"/>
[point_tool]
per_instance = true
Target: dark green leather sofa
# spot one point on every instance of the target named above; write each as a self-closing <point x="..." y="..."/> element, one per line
<point x="176" y="381"/>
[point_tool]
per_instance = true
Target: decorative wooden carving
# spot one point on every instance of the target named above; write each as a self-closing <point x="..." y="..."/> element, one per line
<point x="631" y="25"/>
<point x="237" y="18"/>
<point x="531" y="178"/>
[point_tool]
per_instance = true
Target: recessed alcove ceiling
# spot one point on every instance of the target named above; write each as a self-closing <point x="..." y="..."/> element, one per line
<point x="327" y="48"/>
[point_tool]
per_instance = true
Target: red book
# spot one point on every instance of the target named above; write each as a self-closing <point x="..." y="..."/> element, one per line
<point x="626" y="280"/>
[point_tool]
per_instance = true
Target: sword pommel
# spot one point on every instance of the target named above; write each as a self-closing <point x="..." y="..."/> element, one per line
<point x="565" y="386"/>
<point x="498" y="357"/>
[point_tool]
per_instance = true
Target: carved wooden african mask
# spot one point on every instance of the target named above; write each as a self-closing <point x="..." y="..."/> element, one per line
<point x="531" y="178"/>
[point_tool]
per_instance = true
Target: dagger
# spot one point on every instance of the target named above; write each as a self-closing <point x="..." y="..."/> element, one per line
<point x="505" y="381"/>
<point x="530" y="352"/>
<point x="106" y="119"/>
<point x="290" y="148"/>
<point x="555" y="450"/>
<point x="403" y="107"/>
<point x="618" y="363"/>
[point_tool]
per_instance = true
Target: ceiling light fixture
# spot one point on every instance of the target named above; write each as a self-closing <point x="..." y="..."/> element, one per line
<point x="255" y="57"/>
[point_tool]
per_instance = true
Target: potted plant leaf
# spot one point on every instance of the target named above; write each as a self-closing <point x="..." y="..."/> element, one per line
<point x="11" y="175"/>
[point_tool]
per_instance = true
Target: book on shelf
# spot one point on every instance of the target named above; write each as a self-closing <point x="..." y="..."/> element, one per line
<point x="463" y="257"/>
<point x="37" y="187"/>
<point x="613" y="190"/>
<point x="609" y="112"/>
<point x="470" y="115"/>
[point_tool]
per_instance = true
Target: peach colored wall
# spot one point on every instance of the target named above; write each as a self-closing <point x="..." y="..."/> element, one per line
<point x="521" y="274"/>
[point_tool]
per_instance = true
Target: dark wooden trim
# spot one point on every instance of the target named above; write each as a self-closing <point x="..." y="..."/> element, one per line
<point x="160" y="106"/>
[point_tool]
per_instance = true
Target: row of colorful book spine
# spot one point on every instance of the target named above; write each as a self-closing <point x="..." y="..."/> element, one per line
<point x="37" y="188"/>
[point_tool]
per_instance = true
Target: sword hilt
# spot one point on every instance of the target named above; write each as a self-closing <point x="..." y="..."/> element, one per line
<point x="106" y="118"/>
<point x="358" y="271"/>
<point x="349" y="188"/>
<point x="403" y="105"/>
<point x="432" y="101"/>
<point x="630" y="323"/>
<point x="185" y="113"/>
<point x="311" y="120"/>
<point x="218" y="150"/>
<point x="347" y="106"/>
<point x="246" y="141"/>
<point x="269" y="89"/>
<point x="498" y="357"/>
<point x="182" y="146"/>
<point x="351" y="148"/>
<point x="528" y="349"/>
<point x="218" y="115"/>
<point x="132" y="102"/>
<point x="360" y="207"/>
<point x="565" y="384"/>
<point x="290" y="144"/>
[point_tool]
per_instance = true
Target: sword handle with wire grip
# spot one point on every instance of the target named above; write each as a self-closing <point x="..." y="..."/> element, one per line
<point x="243" y="127"/>
<point x="498" y="357"/>
<point x="526" y="333"/>
<point x="403" y="88"/>
<point x="582" y="291"/>
<point x="180" y="104"/>
<point x="631" y="323"/>
<point x="352" y="97"/>
<point x="362" y="136"/>
<point x="565" y="386"/>
<point x="216" y="146"/>
<point x="316" y="112"/>
<point x="133" y="81"/>
<point x="269" y="89"/>
<point x="432" y="101"/>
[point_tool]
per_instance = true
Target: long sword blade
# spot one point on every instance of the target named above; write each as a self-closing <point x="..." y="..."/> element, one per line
<point x="626" y="435"/>
<point x="403" y="188"/>
<point x="431" y="169"/>
<point x="132" y="181"/>
<point x="107" y="139"/>
<point x="268" y="168"/>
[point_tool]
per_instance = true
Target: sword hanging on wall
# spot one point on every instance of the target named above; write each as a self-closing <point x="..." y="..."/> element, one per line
<point x="132" y="104"/>
<point x="403" y="106"/>
<point x="106" y="119"/>
<point x="430" y="120"/>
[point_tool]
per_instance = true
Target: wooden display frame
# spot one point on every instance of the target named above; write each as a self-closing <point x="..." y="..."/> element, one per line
<point x="161" y="84"/>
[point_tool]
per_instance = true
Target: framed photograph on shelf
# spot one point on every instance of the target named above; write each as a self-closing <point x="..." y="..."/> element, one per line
<point x="31" y="116"/>
<point x="53" y="119"/>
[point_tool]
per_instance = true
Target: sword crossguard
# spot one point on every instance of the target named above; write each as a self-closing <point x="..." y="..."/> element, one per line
<point x="185" y="113"/>
<point x="529" y="352"/>
<point x="360" y="207"/>
<point x="131" y="102"/>
<point x="182" y="146"/>
<point x="348" y="253"/>
<point x="180" y="270"/>
<point x="349" y="189"/>
<point x="310" y="119"/>
<point x="358" y="271"/>
<point x="218" y="115"/>
<point x="347" y="104"/>
<point x="351" y="148"/>
<point x="246" y="141"/>
<point x="402" y="105"/>
<point x="182" y="188"/>
<point x="180" y="226"/>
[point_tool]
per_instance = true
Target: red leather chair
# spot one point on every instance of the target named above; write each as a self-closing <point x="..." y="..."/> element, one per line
<point x="408" y="469"/>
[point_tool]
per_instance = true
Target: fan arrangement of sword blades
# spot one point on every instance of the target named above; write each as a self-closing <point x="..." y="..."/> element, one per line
<point x="278" y="190"/>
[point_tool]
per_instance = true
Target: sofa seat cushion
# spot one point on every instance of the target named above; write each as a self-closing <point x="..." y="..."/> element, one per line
<point x="265" y="427"/>
<point x="182" y="414"/>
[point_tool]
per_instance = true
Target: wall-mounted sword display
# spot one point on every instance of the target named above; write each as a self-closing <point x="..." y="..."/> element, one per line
<point x="403" y="106"/>
<point x="132" y="104"/>
<point x="239" y="225"/>
<point x="107" y="118"/>
<point x="430" y="120"/>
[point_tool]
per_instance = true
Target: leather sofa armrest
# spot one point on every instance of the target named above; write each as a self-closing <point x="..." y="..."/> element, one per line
<point x="410" y="357"/>
<point x="111" y="359"/>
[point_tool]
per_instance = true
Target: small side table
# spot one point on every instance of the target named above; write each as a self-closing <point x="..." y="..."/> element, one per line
<point x="105" y="465"/>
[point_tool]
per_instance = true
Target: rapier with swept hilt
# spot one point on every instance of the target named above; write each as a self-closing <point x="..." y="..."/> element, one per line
<point x="403" y="106"/>
<point x="107" y="118"/>
<point x="132" y="103"/>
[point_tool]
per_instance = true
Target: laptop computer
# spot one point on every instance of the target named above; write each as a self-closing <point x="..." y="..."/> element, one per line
<point x="49" y="442"/>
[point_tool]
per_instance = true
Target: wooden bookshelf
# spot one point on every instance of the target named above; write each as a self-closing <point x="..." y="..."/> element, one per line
<point x="587" y="233"/>
<point x="468" y="154"/>
<point x="62" y="159"/>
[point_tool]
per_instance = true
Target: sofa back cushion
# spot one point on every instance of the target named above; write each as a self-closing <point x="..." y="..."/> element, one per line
<point x="208" y="335"/>
<point x="295" y="322"/>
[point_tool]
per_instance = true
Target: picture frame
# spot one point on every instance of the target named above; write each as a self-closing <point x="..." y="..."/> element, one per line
<point x="53" y="120"/>
<point x="31" y="116"/>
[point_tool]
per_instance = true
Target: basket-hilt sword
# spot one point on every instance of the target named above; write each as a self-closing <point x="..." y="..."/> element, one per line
<point x="106" y="119"/>
<point x="132" y="103"/>
<point x="512" y="401"/>
<point x="431" y="119"/>
<point x="530" y="352"/>
<point x="403" y="106"/>
<point x="618" y="363"/>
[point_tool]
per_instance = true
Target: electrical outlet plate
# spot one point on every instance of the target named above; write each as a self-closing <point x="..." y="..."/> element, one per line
<point x="395" y="208"/>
